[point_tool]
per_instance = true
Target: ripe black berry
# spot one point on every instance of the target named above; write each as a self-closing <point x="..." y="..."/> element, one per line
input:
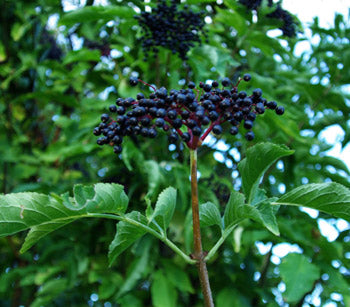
<point x="279" y="110"/>
<point x="271" y="105"/>
<point x="257" y="92"/>
<point x="113" y="108"/>
<point x="133" y="81"/>
<point x="186" y="137"/>
<point x="248" y="124"/>
<point x="207" y="87"/>
<point x="191" y="85"/>
<point x="215" y="84"/>
<point x="234" y="130"/>
<point x="104" y="117"/>
<point x="173" y="138"/>
<point x="250" y="136"/>
<point x="196" y="131"/>
<point x="226" y="82"/>
<point x="217" y="129"/>
<point x="247" y="77"/>
<point x="117" y="149"/>
<point x="97" y="131"/>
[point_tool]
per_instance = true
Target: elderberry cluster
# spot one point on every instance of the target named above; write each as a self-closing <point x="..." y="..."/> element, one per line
<point x="288" y="27"/>
<point x="169" y="27"/>
<point x="190" y="114"/>
<point x="251" y="4"/>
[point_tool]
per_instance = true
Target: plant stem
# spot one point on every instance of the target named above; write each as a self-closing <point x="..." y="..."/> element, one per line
<point x="147" y="229"/>
<point x="219" y="243"/>
<point x="198" y="254"/>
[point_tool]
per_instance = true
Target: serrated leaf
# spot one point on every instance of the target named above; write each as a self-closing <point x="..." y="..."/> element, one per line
<point x="332" y="198"/>
<point x="126" y="235"/>
<point x="165" y="206"/>
<point x="258" y="159"/>
<point x="263" y="213"/>
<point x="93" y="13"/>
<point x="209" y="215"/>
<point x="234" y="209"/>
<point x="267" y="216"/>
<point x="44" y="214"/>
<point x="152" y="170"/>
<point x="139" y="268"/>
<point x="163" y="292"/>
<point x="299" y="276"/>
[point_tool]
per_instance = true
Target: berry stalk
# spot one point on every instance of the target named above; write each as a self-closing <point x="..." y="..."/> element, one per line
<point x="198" y="254"/>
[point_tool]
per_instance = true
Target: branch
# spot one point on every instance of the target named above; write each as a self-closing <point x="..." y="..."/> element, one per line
<point x="198" y="254"/>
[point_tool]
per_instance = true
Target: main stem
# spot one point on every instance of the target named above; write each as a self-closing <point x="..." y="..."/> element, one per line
<point x="198" y="254"/>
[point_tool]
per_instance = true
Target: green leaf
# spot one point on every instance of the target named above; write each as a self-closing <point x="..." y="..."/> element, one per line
<point x="163" y="292"/>
<point x="263" y="213"/>
<point x="266" y="216"/>
<point x="139" y="268"/>
<point x="165" y="206"/>
<point x="178" y="277"/>
<point x="3" y="55"/>
<point x="259" y="158"/>
<point x="332" y="198"/>
<point x="82" y="55"/>
<point x="299" y="276"/>
<point x="94" y="13"/>
<point x="234" y="209"/>
<point x="209" y="215"/>
<point x="152" y="170"/>
<point x="126" y="235"/>
<point x="44" y="214"/>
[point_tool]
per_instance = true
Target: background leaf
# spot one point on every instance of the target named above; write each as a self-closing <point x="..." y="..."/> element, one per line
<point x="299" y="276"/>
<point x="163" y="292"/>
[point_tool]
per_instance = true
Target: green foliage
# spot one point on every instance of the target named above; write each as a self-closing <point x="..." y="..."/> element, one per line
<point x="331" y="198"/>
<point x="52" y="90"/>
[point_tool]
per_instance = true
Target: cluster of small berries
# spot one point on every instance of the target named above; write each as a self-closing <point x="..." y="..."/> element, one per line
<point x="251" y="4"/>
<point x="169" y="27"/>
<point x="289" y="27"/>
<point x="190" y="114"/>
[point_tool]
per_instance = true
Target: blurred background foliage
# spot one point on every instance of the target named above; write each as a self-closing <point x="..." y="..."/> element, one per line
<point x="61" y="68"/>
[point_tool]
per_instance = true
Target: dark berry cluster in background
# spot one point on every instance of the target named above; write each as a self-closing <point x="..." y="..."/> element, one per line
<point x="190" y="114"/>
<point x="170" y="27"/>
<point x="288" y="27"/>
<point x="251" y="4"/>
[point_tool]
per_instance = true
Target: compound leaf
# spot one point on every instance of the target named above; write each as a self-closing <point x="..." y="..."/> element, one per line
<point x="44" y="214"/>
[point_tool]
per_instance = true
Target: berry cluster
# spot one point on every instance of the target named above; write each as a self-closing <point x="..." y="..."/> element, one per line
<point x="190" y="114"/>
<point x="251" y="4"/>
<point x="288" y="27"/>
<point x="171" y="28"/>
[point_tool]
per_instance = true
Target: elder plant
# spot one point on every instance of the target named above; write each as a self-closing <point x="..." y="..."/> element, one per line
<point x="186" y="115"/>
